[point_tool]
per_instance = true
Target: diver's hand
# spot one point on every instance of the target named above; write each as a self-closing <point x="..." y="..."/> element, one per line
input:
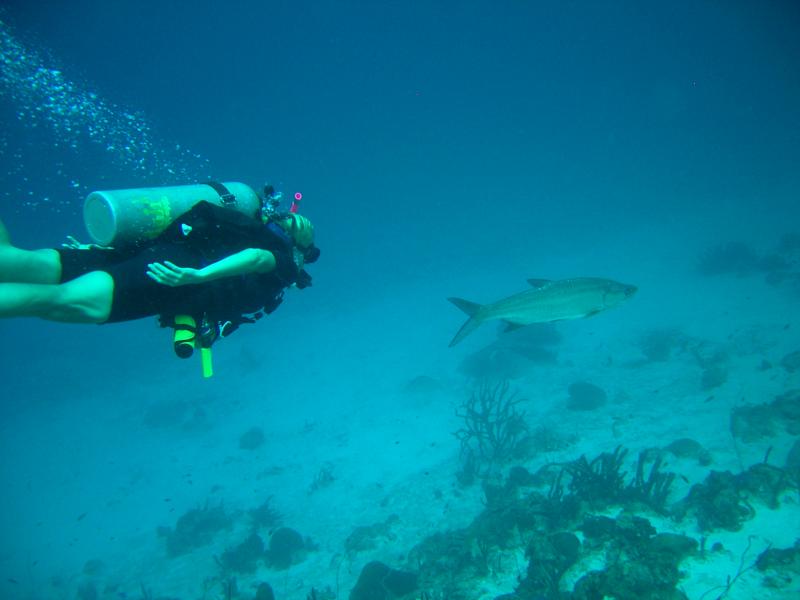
<point x="74" y="244"/>
<point x="170" y="274"/>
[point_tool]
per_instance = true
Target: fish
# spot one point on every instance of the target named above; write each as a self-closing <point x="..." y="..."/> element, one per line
<point x="547" y="302"/>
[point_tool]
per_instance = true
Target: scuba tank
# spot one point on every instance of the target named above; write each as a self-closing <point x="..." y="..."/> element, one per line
<point x="120" y="217"/>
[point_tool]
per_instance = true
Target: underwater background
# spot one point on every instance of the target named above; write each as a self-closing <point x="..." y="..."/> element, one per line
<point x="442" y="149"/>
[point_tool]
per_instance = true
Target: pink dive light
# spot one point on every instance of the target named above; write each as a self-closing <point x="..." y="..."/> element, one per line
<point x="296" y="202"/>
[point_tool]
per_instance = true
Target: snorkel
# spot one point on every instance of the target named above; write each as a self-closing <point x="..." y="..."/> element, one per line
<point x="296" y="203"/>
<point x="270" y="210"/>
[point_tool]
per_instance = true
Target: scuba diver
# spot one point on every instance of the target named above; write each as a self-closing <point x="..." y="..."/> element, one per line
<point x="213" y="267"/>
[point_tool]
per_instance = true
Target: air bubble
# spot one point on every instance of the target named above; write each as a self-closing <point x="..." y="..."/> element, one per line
<point x="82" y="122"/>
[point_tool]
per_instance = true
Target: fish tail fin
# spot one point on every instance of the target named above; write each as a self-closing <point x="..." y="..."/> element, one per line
<point x="474" y="321"/>
<point x="471" y="308"/>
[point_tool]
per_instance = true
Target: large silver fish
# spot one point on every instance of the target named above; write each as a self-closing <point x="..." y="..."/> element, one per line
<point x="548" y="301"/>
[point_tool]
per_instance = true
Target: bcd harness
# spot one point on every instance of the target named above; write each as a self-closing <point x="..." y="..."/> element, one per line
<point x="215" y="232"/>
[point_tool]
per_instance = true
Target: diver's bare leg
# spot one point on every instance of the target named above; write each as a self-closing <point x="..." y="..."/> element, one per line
<point x="86" y="299"/>
<point x="27" y="266"/>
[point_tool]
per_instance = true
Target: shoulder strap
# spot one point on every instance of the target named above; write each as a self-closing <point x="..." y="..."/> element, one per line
<point x="224" y="193"/>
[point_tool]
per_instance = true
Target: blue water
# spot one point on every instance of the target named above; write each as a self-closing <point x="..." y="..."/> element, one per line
<point x="442" y="149"/>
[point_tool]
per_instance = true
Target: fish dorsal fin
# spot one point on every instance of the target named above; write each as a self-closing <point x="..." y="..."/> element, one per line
<point x="540" y="283"/>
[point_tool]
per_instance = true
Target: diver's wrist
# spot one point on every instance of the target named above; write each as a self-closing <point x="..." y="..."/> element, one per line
<point x="201" y="275"/>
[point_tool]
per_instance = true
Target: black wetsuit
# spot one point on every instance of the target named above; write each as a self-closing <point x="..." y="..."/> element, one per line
<point x="201" y="236"/>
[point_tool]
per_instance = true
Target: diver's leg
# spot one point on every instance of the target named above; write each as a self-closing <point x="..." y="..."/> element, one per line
<point x="27" y="266"/>
<point x="86" y="299"/>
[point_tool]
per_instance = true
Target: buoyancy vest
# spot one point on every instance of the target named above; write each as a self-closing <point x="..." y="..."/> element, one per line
<point x="214" y="232"/>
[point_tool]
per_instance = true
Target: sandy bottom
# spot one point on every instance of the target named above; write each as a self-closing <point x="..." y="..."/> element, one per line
<point x="358" y="416"/>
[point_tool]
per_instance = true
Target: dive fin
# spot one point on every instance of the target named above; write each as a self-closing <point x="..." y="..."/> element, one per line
<point x="471" y="308"/>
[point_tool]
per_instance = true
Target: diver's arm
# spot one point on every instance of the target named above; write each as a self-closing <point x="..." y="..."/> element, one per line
<point x="251" y="260"/>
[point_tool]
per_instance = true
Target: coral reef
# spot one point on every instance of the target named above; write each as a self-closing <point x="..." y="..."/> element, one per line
<point x="600" y="481"/>
<point x="631" y="559"/>
<point x="781" y="567"/>
<point x="755" y="422"/>
<point x="286" y="547"/>
<point x="366" y="537"/>
<point x="196" y="528"/>
<point x="713" y="377"/>
<point x="378" y="581"/>
<point x="549" y="557"/>
<point x="752" y="423"/>
<point x="546" y="438"/>
<point x="493" y="426"/>
<point x="731" y="258"/>
<point x="641" y="564"/>
<point x="244" y="557"/>
<point x="714" y="365"/>
<point x="639" y="561"/>
<point x="449" y="563"/>
<point x="740" y="259"/>
<point x="87" y="591"/>
<point x="265" y="516"/>
<point x="791" y="361"/>
<point x="264" y="592"/>
<point x="724" y="500"/>
<point x="793" y="461"/>
<point x="252" y="439"/>
<point x="765" y="483"/>
<point x="94" y="567"/>
<point x="564" y="517"/>
<point x="659" y="345"/>
<point x="689" y="448"/>
<point x="716" y="503"/>
<point x="323" y="478"/>
<point x="652" y="490"/>
<point x="423" y="385"/>
<point x="789" y="245"/>
<point x="585" y="396"/>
